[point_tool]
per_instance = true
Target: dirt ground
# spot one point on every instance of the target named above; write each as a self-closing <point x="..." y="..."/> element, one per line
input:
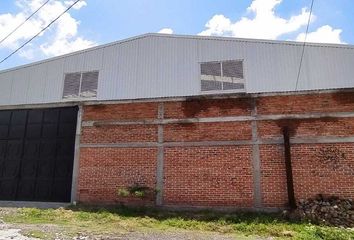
<point x="23" y="232"/>
<point x="51" y="231"/>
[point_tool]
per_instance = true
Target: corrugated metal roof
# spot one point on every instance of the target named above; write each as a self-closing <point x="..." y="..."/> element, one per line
<point x="160" y="65"/>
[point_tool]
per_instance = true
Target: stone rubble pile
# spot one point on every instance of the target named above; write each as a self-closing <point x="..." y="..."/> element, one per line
<point x="327" y="210"/>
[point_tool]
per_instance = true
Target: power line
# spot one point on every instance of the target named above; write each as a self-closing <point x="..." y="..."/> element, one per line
<point x="303" y="46"/>
<point x="8" y="35"/>
<point x="28" y="41"/>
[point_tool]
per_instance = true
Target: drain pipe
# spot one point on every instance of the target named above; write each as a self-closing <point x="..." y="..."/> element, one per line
<point x="288" y="168"/>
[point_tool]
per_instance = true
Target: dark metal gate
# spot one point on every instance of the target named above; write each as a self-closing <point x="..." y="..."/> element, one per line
<point x="37" y="154"/>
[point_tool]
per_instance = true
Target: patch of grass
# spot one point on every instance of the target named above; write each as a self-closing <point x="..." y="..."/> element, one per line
<point x="36" y="234"/>
<point x="123" y="219"/>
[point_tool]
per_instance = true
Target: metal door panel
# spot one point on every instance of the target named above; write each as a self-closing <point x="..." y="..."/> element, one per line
<point x="37" y="153"/>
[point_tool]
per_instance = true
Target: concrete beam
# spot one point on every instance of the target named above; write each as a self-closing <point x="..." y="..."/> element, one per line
<point x="306" y="116"/>
<point x="325" y="139"/>
<point x="76" y="156"/>
<point x="160" y="158"/>
<point x="223" y="119"/>
<point x="218" y="96"/>
<point x="308" y="140"/>
<point x="256" y="160"/>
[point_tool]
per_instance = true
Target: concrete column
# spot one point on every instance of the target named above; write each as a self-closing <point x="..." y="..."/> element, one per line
<point x="160" y="158"/>
<point x="256" y="162"/>
<point x="76" y="157"/>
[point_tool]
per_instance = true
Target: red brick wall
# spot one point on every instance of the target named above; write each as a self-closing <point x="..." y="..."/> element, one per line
<point x="314" y="173"/>
<point x="126" y="111"/>
<point x="273" y="176"/>
<point x="115" y="134"/>
<point x="105" y="170"/>
<point x="340" y="127"/>
<point x="208" y="176"/>
<point x="208" y="131"/>
<point x="210" y="173"/>
<point x="314" y="103"/>
<point x="208" y="108"/>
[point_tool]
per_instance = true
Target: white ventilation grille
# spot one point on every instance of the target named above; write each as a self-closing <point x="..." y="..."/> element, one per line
<point x="223" y="75"/>
<point x="211" y="69"/>
<point x="71" y="85"/>
<point x="232" y="69"/>
<point x="82" y="85"/>
<point x="89" y="84"/>
<point x="211" y="85"/>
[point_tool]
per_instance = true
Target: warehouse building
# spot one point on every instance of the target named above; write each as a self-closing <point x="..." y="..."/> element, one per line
<point x="201" y="121"/>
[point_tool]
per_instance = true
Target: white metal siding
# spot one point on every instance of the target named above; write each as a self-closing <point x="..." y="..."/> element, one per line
<point x="165" y="66"/>
<point x="6" y="86"/>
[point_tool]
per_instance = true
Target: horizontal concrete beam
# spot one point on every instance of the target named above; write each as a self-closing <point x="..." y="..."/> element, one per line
<point x="306" y="116"/>
<point x="29" y="204"/>
<point x="303" y="140"/>
<point x="218" y="96"/>
<point x="221" y="119"/>
<point x="61" y="103"/>
<point x="329" y="139"/>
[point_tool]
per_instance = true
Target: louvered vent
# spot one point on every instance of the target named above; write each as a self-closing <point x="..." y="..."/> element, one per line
<point x="71" y="85"/>
<point x="224" y="75"/>
<point x="211" y="69"/>
<point x="230" y="86"/>
<point x="211" y="85"/>
<point x="82" y="85"/>
<point x="232" y="69"/>
<point x="89" y="84"/>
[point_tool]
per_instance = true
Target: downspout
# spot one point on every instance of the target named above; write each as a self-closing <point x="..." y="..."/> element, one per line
<point x="288" y="168"/>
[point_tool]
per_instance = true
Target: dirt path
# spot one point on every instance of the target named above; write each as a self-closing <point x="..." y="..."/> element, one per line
<point x="67" y="232"/>
<point x="6" y="232"/>
<point x="23" y="232"/>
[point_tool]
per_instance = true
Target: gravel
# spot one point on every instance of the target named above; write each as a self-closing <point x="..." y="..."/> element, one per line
<point x="17" y="231"/>
<point x="10" y="233"/>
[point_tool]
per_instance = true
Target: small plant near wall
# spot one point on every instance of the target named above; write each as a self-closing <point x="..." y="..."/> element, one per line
<point x="137" y="191"/>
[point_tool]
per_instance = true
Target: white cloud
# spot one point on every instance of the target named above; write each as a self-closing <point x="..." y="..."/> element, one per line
<point x="61" y="37"/>
<point x="166" y="31"/>
<point x="264" y="23"/>
<point x="324" y="34"/>
<point x="77" y="5"/>
<point x="63" y="45"/>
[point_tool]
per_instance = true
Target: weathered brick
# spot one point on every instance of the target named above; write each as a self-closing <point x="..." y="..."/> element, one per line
<point x="126" y="111"/>
<point x="208" y="131"/>
<point x="209" y="176"/>
<point x="208" y="108"/>
<point x="310" y="103"/>
<point x="119" y="133"/>
<point x="218" y="175"/>
<point x="104" y="170"/>
<point x="339" y="127"/>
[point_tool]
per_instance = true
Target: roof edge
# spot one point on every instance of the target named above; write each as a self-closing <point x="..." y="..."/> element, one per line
<point x="76" y="52"/>
<point x="198" y="37"/>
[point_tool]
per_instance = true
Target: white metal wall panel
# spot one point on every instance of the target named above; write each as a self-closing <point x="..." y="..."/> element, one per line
<point x="156" y="65"/>
<point x="20" y="85"/>
<point x="270" y="68"/>
<point x="36" y="84"/>
<point x="93" y="60"/>
<point x="54" y="81"/>
<point x="6" y="86"/>
<point x="74" y="63"/>
<point x="118" y="77"/>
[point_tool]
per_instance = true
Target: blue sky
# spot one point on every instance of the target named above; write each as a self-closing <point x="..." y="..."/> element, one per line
<point x="95" y="22"/>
